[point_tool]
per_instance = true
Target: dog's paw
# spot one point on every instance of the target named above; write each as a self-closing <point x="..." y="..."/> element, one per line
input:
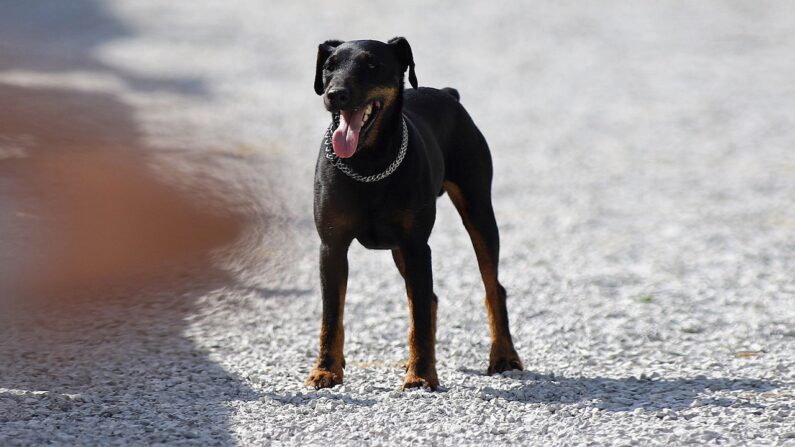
<point x="321" y="378"/>
<point x="414" y="380"/>
<point x="498" y="364"/>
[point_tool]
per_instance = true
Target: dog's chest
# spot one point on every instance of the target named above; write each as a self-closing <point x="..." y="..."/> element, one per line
<point x="384" y="229"/>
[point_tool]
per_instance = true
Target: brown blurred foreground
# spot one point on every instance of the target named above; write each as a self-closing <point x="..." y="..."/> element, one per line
<point x="81" y="209"/>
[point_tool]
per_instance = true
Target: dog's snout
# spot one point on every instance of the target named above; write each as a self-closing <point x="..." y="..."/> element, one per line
<point x="339" y="97"/>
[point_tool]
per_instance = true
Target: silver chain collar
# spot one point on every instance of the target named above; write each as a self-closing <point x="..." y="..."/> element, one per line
<point x="336" y="161"/>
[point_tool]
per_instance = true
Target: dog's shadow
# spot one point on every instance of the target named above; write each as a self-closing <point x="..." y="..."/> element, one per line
<point x="626" y="393"/>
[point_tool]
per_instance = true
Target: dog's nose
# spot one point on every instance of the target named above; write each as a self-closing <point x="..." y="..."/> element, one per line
<point x="339" y="97"/>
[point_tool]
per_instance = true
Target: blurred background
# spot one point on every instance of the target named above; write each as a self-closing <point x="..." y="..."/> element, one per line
<point x="136" y="134"/>
<point x="156" y="163"/>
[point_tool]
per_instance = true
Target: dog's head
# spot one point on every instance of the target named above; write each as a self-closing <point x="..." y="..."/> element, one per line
<point x="359" y="80"/>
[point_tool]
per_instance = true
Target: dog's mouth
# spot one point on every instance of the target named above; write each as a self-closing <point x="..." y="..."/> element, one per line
<point x="353" y="124"/>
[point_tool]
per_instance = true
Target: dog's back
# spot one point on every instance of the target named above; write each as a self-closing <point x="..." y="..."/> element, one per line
<point x="439" y="116"/>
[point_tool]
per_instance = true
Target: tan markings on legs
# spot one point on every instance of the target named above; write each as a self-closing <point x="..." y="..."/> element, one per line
<point x="421" y="365"/>
<point x="503" y="355"/>
<point x="332" y="339"/>
<point x="328" y="370"/>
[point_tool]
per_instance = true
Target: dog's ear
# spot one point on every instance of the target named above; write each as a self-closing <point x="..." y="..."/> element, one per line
<point x="324" y="50"/>
<point x="402" y="50"/>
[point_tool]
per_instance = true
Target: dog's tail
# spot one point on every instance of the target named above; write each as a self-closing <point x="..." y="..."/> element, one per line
<point x="452" y="92"/>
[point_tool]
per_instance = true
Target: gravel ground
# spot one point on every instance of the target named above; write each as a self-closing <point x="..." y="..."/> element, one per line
<point x="645" y="180"/>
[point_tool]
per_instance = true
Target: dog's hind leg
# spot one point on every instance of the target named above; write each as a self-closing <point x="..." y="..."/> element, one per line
<point x="469" y="187"/>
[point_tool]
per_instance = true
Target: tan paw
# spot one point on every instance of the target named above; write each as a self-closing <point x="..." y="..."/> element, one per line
<point x="321" y="378"/>
<point x="502" y="363"/>
<point x="414" y="380"/>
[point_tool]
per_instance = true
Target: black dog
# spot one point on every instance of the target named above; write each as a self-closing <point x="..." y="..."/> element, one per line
<point x="386" y="157"/>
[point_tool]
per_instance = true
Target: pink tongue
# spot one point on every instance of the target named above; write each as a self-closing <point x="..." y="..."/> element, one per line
<point x="346" y="137"/>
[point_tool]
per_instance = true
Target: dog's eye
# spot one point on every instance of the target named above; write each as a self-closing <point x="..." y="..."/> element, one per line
<point x="372" y="66"/>
<point x="331" y="64"/>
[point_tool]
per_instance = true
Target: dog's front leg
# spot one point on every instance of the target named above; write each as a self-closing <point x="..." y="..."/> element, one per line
<point x="421" y="367"/>
<point x="333" y="279"/>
